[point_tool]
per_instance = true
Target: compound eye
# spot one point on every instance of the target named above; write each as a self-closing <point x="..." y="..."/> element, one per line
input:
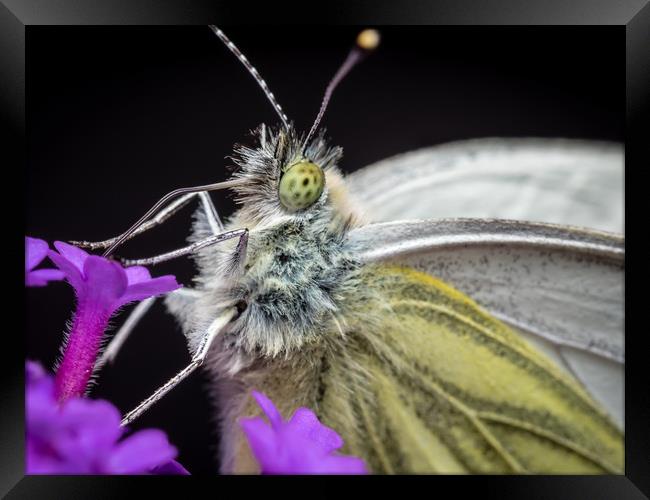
<point x="301" y="185"/>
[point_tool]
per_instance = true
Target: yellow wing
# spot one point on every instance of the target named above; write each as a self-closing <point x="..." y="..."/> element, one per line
<point x="426" y="381"/>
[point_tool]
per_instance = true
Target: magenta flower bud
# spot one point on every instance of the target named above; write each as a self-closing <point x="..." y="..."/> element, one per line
<point x="301" y="445"/>
<point x="101" y="286"/>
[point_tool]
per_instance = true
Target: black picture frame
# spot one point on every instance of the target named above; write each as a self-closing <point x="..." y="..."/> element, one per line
<point x="16" y="16"/>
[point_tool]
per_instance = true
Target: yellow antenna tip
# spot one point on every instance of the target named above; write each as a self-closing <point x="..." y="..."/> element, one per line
<point x="368" y="39"/>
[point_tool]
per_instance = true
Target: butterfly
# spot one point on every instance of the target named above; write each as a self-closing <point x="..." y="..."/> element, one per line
<point x="480" y="345"/>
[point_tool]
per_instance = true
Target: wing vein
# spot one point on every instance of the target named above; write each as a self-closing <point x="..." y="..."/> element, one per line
<point x="445" y="310"/>
<point x="495" y="417"/>
<point x="472" y="416"/>
<point x="482" y="429"/>
<point x="378" y="447"/>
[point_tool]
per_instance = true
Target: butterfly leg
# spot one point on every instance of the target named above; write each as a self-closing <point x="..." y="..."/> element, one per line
<point x="242" y="234"/>
<point x="213" y="219"/>
<point x="160" y="217"/>
<point x="197" y="360"/>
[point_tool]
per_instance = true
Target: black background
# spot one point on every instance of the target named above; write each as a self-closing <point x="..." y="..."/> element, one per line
<point x="118" y="116"/>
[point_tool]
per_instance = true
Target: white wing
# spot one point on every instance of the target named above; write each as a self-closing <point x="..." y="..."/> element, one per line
<point x="561" y="287"/>
<point x="561" y="181"/>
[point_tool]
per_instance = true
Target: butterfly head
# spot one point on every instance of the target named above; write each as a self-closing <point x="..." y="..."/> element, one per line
<point x="287" y="174"/>
<point x="279" y="178"/>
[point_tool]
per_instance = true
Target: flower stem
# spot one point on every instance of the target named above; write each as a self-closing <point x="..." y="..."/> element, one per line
<point x="81" y="350"/>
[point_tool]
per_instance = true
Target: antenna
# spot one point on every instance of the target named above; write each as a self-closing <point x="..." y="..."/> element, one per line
<point x="251" y="69"/>
<point x="366" y="42"/>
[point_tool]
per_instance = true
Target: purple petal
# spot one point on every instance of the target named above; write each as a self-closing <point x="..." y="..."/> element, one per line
<point x="305" y="423"/>
<point x="76" y="256"/>
<point x="146" y="289"/>
<point x="172" y="468"/>
<point x="38" y="380"/>
<point x="86" y="434"/>
<point x="269" y="409"/>
<point x="40" y="404"/>
<point x="105" y="282"/>
<point x="41" y="460"/>
<point x="41" y="277"/>
<point x="34" y="371"/>
<point x="302" y="445"/>
<point x="97" y="420"/>
<point x="141" y="452"/>
<point x="262" y="440"/>
<point x="72" y="274"/>
<point x="35" y="252"/>
<point x="137" y="274"/>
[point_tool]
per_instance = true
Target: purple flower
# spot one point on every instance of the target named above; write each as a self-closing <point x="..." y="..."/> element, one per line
<point x="172" y="468"/>
<point x="301" y="445"/>
<point x="102" y="286"/>
<point x="35" y="252"/>
<point x="83" y="436"/>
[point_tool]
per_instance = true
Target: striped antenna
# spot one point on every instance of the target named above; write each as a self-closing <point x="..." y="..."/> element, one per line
<point x="366" y="42"/>
<point x="251" y="69"/>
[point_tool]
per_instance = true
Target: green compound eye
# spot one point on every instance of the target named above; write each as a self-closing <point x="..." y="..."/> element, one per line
<point x="301" y="185"/>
